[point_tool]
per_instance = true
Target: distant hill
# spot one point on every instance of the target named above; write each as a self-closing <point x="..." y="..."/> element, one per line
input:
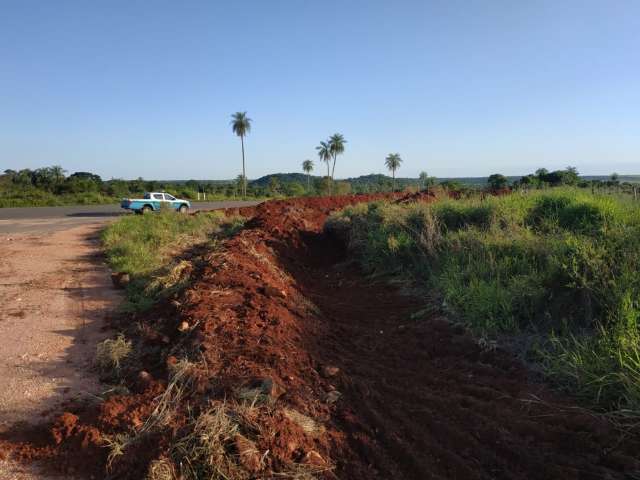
<point x="282" y="178"/>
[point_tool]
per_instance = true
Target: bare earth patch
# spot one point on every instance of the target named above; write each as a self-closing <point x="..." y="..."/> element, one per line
<point x="54" y="295"/>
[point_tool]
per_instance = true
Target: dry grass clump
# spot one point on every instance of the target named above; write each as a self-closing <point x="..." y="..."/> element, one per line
<point x="161" y="469"/>
<point x="164" y="411"/>
<point x="175" y="278"/>
<point x="111" y="353"/>
<point x="116" y="444"/>
<point x="223" y="445"/>
<point x="180" y="381"/>
<point x="306" y="423"/>
<point x="205" y="452"/>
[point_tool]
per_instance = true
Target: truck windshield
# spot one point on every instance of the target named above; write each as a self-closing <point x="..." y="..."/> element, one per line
<point x="147" y="196"/>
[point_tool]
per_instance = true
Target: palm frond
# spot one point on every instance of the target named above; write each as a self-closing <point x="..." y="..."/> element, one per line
<point x="336" y="144"/>
<point x="240" y="123"/>
<point x="324" y="151"/>
<point x="393" y="161"/>
<point x="307" y="166"/>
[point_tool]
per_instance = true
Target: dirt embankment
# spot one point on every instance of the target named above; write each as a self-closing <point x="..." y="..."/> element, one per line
<point x="395" y="390"/>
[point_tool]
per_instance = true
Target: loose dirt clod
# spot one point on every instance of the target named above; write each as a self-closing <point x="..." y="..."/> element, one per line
<point x="329" y="371"/>
<point x="120" y="279"/>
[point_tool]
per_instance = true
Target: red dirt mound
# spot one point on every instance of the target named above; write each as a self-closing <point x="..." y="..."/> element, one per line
<point x="385" y="387"/>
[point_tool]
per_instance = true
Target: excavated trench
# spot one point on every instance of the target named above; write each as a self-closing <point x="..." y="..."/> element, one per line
<point x="399" y="391"/>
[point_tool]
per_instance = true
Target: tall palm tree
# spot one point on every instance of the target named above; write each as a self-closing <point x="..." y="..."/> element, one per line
<point x="57" y="173"/>
<point x="336" y="145"/>
<point x="324" y="152"/>
<point x="241" y="126"/>
<point x="307" y="166"/>
<point x="393" y="162"/>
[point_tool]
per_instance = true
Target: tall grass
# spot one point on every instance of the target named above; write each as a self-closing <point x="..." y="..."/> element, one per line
<point x="561" y="264"/>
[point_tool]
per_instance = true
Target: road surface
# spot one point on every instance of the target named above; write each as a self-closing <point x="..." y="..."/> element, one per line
<point x="53" y="219"/>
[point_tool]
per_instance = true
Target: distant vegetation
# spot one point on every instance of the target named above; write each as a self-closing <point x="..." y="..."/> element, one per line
<point x="52" y="186"/>
<point x="557" y="268"/>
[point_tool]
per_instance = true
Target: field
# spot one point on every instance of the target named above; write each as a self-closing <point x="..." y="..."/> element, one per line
<point x="368" y="337"/>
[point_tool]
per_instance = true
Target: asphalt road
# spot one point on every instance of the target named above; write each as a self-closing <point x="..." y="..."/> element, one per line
<point x="51" y="219"/>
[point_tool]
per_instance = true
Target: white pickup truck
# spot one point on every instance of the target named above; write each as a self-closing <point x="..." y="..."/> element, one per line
<point x="154" y="201"/>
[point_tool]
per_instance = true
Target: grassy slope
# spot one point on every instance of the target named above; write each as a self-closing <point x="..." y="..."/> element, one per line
<point x="147" y="247"/>
<point x="559" y="264"/>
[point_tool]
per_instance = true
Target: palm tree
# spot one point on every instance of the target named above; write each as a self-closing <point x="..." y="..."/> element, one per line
<point x="307" y="166"/>
<point x="241" y="126"/>
<point x="57" y="172"/>
<point x="324" y="152"/>
<point x="336" y="145"/>
<point x="424" y="176"/>
<point x="393" y="162"/>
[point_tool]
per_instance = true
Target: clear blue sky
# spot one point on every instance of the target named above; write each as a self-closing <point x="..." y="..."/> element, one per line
<point x="131" y="88"/>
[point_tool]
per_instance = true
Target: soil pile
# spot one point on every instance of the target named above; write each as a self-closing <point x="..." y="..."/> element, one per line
<point x="359" y="379"/>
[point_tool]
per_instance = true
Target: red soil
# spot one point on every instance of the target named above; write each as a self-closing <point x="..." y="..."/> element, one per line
<point x="418" y="398"/>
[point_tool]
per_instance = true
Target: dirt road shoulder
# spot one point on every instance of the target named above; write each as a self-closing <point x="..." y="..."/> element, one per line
<point x="55" y="293"/>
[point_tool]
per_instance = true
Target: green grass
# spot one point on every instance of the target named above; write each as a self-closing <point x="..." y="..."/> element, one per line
<point x="148" y="248"/>
<point x="561" y="264"/>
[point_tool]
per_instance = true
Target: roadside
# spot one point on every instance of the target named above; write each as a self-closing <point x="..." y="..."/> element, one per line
<point x="55" y="294"/>
<point x="52" y="219"/>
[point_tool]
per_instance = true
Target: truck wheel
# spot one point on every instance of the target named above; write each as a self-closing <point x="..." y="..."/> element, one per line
<point x="183" y="209"/>
<point x="146" y="209"/>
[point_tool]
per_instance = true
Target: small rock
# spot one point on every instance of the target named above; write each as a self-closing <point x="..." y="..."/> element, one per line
<point x="144" y="377"/>
<point x="274" y="292"/>
<point x="332" y="397"/>
<point x="329" y="371"/>
<point x="267" y="387"/>
<point x="171" y="361"/>
<point x="314" y="458"/>
<point x="120" y="279"/>
<point x="183" y="327"/>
